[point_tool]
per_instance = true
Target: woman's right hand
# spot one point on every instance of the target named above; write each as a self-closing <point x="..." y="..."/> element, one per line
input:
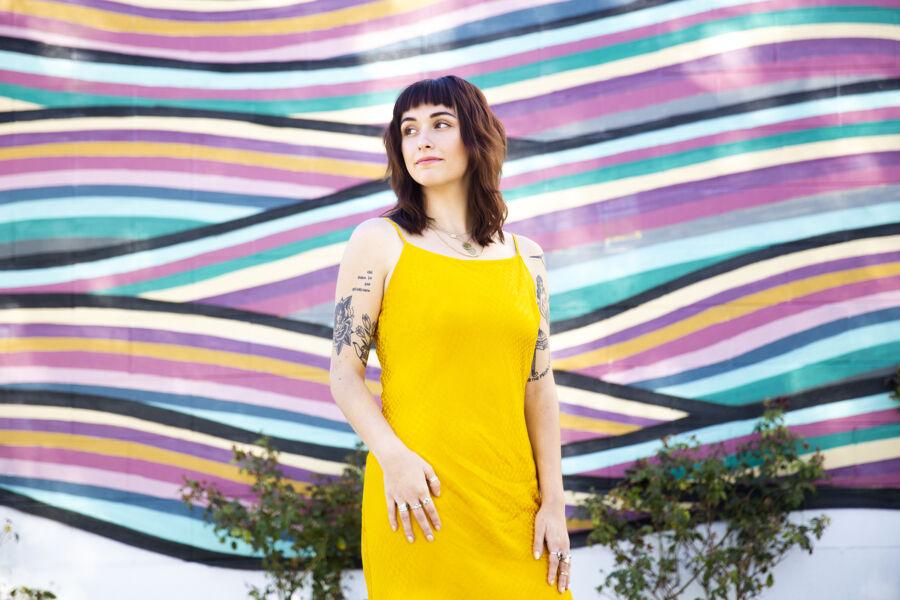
<point x="406" y="479"/>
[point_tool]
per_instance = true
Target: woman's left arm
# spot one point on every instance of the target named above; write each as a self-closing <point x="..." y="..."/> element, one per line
<point x="542" y="420"/>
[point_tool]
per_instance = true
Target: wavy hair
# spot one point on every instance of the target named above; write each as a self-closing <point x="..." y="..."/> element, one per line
<point x="484" y="138"/>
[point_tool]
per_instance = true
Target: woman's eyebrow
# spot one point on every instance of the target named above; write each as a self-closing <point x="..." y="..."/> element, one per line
<point x="432" y="115"/>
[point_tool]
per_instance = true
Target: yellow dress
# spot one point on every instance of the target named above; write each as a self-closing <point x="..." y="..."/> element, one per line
<point x="455" y="339"/>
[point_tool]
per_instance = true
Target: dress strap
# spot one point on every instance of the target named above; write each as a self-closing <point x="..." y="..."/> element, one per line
<point x="397" y="227"/>
<point x="516" y="242"/>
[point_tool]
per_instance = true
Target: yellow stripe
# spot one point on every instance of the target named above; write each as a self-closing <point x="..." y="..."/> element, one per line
<point x="125" y="449"/>
<point x="194" y="151"/>
<point x="111" y="21"/>
<point x="725" y="312"/>
<point x="600" y="426"/>
<point x="174" y="352"/>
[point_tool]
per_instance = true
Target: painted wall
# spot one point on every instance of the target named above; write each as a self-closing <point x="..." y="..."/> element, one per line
<point x="715" y="185"/>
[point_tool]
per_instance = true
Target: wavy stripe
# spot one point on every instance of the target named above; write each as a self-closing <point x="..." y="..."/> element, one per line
<point x="603" y="462"/>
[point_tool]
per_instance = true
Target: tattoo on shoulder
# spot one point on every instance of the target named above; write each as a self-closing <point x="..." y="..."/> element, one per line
<point x="344" y="330"/>
<point x="539" y="257"/>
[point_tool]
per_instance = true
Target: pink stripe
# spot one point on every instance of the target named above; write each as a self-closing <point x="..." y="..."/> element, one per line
<point x="814" y="429"/>
<point x="755" y="330"/>
<point x="234" y="391"/>
<point x="128" y="364"/>
<point x="318" y="44"/>
<point x="260" y="176"/>
<point x="756" y="132"/>
<point x="128" y="482"/>
<point x="284" y="304"/>
<point x="187" y="181"/>
<point x="114" y="464"/>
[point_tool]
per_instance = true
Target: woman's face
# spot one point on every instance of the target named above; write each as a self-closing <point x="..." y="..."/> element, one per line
<point x="433" y="130"/>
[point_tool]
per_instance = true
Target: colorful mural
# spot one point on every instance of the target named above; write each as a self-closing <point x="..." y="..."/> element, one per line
<point x="715" y="185"/>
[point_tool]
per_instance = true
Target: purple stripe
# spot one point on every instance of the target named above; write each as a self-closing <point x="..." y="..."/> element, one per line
<point x="186" y="137"/>
<point x="162" y="337"/>
<point x="733" y="327"/>
<point x="138" y="436"/>
<point x="871" y="469"/>
<point x="250" y="14"/>
<point x="608" y="415"/>
<point x="82" y="359"/>
<point x="181" y="165"/>
<point x="299" y="285"/>
<point x="634" y="205"/>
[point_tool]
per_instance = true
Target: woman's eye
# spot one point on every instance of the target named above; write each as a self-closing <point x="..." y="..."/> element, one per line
<point x="408" y="129"/>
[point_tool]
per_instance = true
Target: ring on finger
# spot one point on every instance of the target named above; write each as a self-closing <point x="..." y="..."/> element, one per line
<point x="402" y="507"/>
<point x="426" y="501"/>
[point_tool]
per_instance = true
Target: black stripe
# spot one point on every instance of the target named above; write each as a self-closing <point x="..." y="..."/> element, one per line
<point x="724" y="414"/>
<point x="71" y="300"/>
<point x="165" y="416"/>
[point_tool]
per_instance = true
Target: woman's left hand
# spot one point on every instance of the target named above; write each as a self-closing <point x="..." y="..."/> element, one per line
<point x="550" y="528"/>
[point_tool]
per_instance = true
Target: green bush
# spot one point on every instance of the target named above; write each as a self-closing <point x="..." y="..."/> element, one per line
<point x="658" y="520"/>
<point x="299" y="536"/>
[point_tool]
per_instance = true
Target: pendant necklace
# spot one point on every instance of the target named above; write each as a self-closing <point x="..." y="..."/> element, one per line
<point x="469" y="248"/>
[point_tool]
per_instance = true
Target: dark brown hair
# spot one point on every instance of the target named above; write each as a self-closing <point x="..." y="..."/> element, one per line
<point x="484" y="137"/>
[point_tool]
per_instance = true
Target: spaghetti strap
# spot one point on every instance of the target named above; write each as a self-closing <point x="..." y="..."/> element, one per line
<point x="516" y="242"/>
<point x="397" y="227"/>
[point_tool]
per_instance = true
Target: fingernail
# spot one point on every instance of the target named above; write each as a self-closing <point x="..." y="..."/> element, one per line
<point x="410" y="538"/>
<point x="537" y="555"/>
<point x="430" y="537"/>
<point x="438" y="527"/>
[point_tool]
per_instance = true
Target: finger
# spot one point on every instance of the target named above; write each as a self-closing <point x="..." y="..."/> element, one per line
<point x="419" y="514"/>
<point x="432" y="513"/>
<point x="554" y="565"/>
<point x="392" y="512"/>
<point x="433" y="482"/>
<point x="563" y="581"/>
<point x="407" y="524"/>
<point x="538" y="546"/>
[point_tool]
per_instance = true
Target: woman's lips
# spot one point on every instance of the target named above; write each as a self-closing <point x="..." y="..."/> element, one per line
<point x="428" y="162"/>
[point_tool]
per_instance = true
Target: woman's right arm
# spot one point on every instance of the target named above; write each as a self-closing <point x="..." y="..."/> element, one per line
<point x="358" y="294"/>
<point x="360" y="286"/>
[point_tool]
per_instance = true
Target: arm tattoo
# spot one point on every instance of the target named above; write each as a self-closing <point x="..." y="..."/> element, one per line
<point x="365" y="281"/>
<point x="365" y="332"/>
<point x="343" y="330"/>
<point x="343" y="324"/>
<point x="542" y="344"/>
<point x="543" y="300"/>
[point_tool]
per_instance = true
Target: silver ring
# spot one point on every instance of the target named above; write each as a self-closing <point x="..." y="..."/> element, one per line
<point x="402" y="507"/>
<point x="433" y="478"/>
<point x="416" y="505"/>
<point x="426" y="501"/>
<point x="567" y="558"/>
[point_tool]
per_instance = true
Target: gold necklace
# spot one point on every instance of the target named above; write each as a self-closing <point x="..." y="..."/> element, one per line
<point x="470" y="249"/>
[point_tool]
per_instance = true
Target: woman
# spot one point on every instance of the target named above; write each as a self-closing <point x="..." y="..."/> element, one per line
<point x="467" y="443"/>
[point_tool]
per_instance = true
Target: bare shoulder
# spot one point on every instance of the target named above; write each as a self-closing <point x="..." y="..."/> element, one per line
<point x="532" y="253"/>
<point x="373" y="238"/>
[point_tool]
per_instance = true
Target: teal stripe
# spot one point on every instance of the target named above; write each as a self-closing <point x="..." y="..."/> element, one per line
<point x="583" y="300"/>
<point x="122" y="206"/>
<point x="811" y="376"/>
<point x="93" y="227"/>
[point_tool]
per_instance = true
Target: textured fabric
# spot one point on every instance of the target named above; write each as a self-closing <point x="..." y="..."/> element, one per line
<point x="455" y="339"/>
